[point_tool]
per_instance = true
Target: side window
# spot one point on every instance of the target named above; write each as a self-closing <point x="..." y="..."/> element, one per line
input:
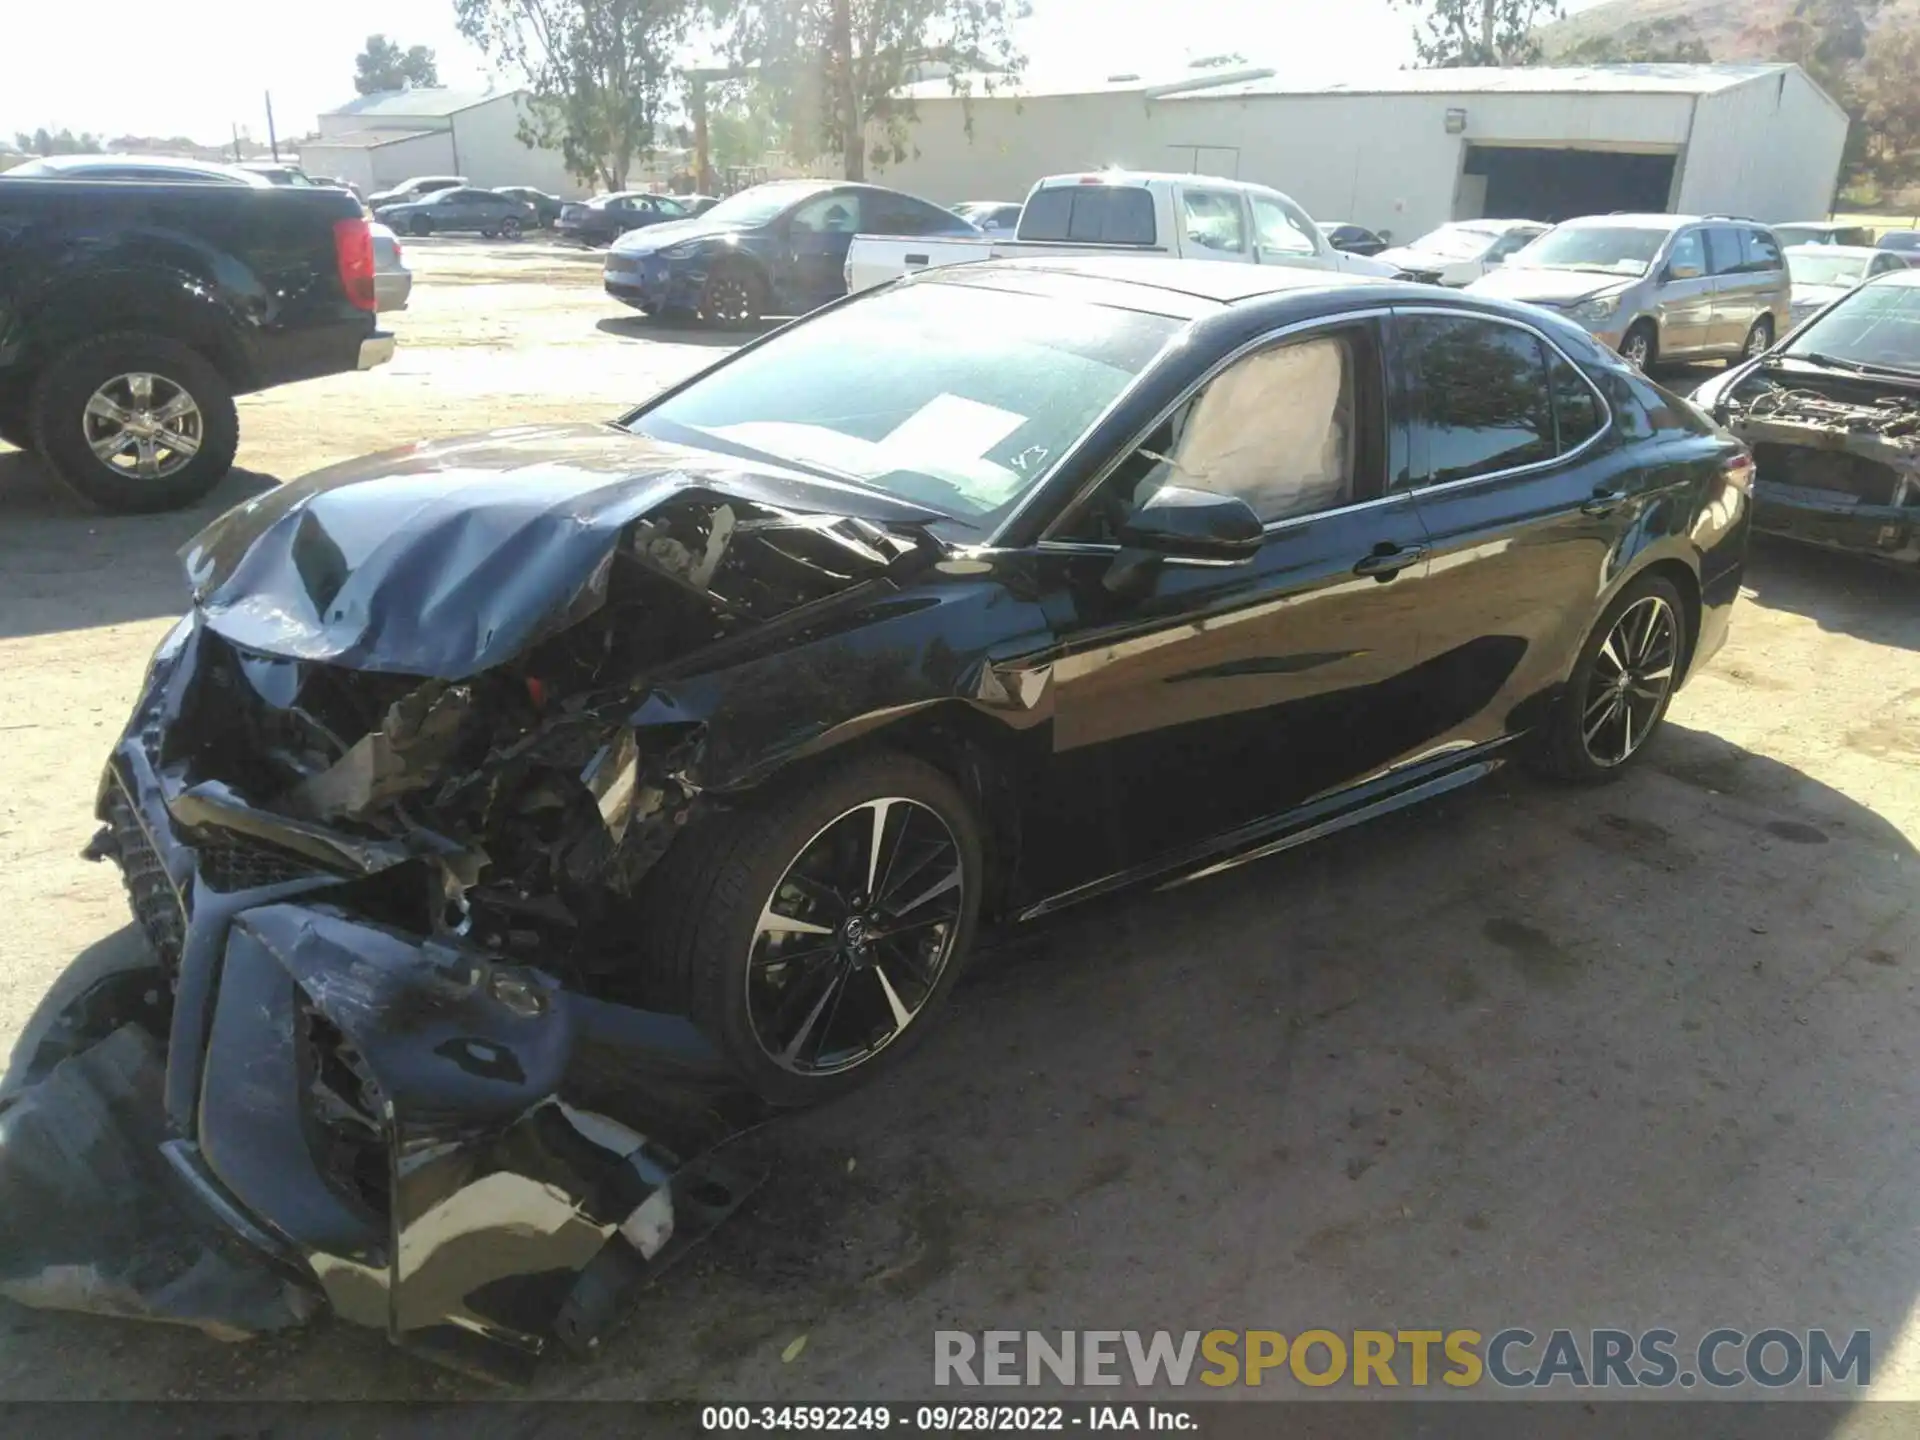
<point x="1214" y="219"/>
<point x="1512" y="241"/>
<point x="1761" y="252"/>
<point x="903" y="215"/>
<point x="1688" y="250"/>
<point x="833" y="214"/>
<point x="1883" y="262"/>
<point x="1575" y="406"/>
<point x="1278" y="230"/>
<point x="1478" y="396"/>
<point x="1283" y="429"/>
<point x="1724" y="251"/>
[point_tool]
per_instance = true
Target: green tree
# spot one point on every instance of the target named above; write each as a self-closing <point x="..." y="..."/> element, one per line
<point x="600" y="72"/>
<point x="858" y="55"/>
<point x="384" y="66"/>
<point x="1449" y="33"/>
<point x="63" y="142"/>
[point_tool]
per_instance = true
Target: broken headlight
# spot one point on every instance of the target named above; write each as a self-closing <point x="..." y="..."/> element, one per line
<point x="167" y="651"/>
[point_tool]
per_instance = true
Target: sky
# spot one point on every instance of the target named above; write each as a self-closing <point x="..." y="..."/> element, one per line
<point x="235" y="52"/>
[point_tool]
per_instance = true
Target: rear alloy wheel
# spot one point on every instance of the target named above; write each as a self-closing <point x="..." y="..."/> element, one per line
<point x="1621" y="685"/>
<point x="816" y="933"/>
<point x="489" y="232"/>
<point x="1639" y="347"/>
<point x="135" y="422"/>
<point x="1759" y="338"/>
<point x="732" y="297"/>
<point x="510" y="228"/>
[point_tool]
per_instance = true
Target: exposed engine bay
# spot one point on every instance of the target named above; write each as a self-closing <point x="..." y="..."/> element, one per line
<point x="1837" y="456"/>
<point x="384" y="812"/>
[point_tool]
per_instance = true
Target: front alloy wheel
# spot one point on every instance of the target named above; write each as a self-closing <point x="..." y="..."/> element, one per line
<point x="1630" y="681"/>
<point x="1637" y="347"/>
<point x="855" y="937"/>
<point x="143" y="425"/>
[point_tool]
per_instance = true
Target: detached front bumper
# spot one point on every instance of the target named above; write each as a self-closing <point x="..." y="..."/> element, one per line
<point x="429" y="1138"/>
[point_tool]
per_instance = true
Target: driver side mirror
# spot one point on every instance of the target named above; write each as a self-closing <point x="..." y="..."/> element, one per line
<point x="1682" y="271"/>
<point x="1178" y="524"/>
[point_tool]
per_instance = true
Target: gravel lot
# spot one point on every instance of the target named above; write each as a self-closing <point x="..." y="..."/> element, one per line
<point x="1636" y="1057"/>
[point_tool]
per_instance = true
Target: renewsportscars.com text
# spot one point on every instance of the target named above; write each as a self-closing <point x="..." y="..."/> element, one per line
<point x="1513" y="1358"/>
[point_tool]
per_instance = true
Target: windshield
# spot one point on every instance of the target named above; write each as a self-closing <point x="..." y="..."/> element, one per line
<point x="950" y="396"/>
<point x="1608" y="249"/>
<point x="1455" y="242"/>
<point x="758" y="205"/>
<point x="1827" y="269"/>
<point x="1877" y="324"/>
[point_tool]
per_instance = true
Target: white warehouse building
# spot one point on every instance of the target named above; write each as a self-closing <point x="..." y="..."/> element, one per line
<point x="1420" y="147"/>
<point x="376" y="141"/>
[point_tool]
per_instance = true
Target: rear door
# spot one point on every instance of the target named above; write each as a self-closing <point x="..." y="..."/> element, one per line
<point x="1765" y="271"/>
<point x="1213" y="224"/>
<point x="1225" y="694"/>
<point x="1684" y="294"/>
<point x="1526" y="501"/>
<point x="1735" y="302"/>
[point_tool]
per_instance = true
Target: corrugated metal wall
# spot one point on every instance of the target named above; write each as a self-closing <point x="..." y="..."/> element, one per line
<point x="1770" y="149"/>
<point x="1386" y="161"/>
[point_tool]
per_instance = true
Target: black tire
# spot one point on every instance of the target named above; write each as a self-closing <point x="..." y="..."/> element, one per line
<point x="705" y="900"/>
<point x="510" y="228"/>
<point x="59" y="418"/>
<point x="734" y="297"/>
<point x="1563" y="752"/>
<point x="1641" y="330"/>
<point x="420" y="225"/>
<point x="489" y="232"/>
<point x="1759" y="341"/>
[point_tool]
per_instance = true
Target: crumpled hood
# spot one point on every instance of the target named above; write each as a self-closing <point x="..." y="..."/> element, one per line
<point x="1405" y="257"/>
<point x="449" y="558"/>
<point x="1549" y="287"/>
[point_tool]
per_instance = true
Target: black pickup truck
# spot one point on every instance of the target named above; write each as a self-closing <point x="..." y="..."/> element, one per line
<point x="131" y="314"/>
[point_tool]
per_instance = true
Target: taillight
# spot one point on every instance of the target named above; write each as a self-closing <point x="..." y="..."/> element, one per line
<point x="353" y="249"/>
<point x="1739" y="472"/>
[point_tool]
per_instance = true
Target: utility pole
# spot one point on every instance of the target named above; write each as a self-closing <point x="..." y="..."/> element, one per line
<point x="236" y="140"/>
<point x="273" y="140"/>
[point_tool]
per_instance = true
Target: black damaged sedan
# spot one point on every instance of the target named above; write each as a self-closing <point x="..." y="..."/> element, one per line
<point x="513" y="816"/>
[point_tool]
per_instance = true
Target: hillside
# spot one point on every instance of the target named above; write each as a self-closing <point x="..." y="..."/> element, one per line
<point x="1729" y="29"/>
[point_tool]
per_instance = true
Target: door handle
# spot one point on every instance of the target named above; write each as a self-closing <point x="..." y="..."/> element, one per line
<point x="1604" y="502"/>
<point x="1388" y="560"/>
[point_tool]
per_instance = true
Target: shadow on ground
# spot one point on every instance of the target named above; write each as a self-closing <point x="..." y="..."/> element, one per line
<point x="1844" y="594"/>
<point x="64" y="566"/>
<point x="1528" y="1056"/>
<point x="683" y="332"/>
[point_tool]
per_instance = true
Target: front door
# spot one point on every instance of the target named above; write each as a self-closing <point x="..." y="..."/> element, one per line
<point x="1684" y="293"/>
<point x="813" y="257"/>
<point x="1527" y="498"/>
<point x="1213" y="696"/>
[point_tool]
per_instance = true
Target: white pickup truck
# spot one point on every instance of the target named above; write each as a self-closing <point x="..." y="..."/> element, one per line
<point x="1130" y="212"/>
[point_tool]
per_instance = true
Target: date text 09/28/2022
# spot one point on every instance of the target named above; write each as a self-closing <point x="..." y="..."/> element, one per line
<point x="947" y="1419"/>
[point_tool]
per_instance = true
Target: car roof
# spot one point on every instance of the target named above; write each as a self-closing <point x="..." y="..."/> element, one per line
<point x="1907" y="276"/>
<point x="1155" y="283"/>
<point x="49" y="166"/>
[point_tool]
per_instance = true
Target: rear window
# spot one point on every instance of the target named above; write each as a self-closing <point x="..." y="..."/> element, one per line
<point x="1090" y="214"/>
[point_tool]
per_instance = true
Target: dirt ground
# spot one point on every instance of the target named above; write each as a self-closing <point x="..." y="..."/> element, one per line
<point x="1644" y="1056"/>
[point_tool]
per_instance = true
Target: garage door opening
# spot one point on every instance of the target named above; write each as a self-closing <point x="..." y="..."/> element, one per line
<point x="1526" y="183"/>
